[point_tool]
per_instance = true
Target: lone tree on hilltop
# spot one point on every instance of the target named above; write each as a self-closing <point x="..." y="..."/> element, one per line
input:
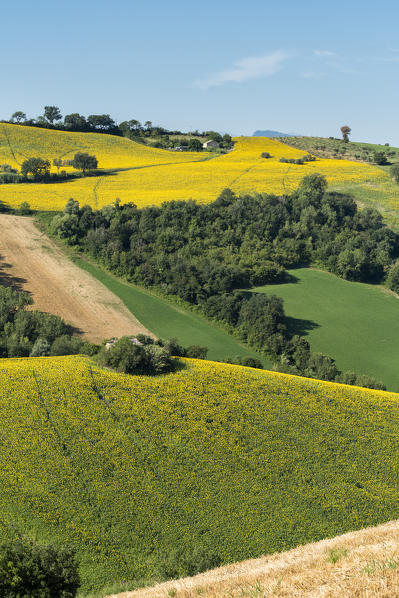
<point x="18" y="116"/>
<point x="37" y="167"/>
<point x="83" y="162"/>
<point x="345" y="130"/>
<point x="52" y="113"/>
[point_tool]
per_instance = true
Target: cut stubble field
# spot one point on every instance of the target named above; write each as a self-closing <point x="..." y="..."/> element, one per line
<point x="30" y="261"/>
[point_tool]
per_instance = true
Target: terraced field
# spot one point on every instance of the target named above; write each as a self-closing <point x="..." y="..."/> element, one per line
<point x="214" y="458"/>
<point x="153" y="176"/>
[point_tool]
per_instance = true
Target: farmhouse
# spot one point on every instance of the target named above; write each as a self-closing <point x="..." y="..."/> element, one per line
<point x="210" y="144"/>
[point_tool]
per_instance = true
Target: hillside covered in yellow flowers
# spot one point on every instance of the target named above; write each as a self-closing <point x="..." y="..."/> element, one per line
<point x="156" y="477"/>
<point x="149" y="176"/>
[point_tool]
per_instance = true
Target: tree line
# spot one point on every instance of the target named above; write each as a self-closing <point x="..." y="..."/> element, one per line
<point x="104" y="123"/>
<point x="211" y="255"/>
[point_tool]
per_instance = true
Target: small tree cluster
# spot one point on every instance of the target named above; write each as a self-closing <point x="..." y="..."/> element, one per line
<point x="37" y="167"/>
<point x="142" y="354"/>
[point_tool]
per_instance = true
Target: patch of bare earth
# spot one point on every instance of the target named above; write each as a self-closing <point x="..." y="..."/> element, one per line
<point x="363" y="564"/>
<point x="30" y="261"/>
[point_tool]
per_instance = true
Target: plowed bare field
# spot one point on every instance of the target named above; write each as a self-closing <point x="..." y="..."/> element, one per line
<point x="30" y="261"/>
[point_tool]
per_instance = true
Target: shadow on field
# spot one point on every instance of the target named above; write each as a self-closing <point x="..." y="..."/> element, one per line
<point x="299" y="326"/>
<point x="8" y="280"/>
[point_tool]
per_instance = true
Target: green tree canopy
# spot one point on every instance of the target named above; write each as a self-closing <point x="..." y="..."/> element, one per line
<point x="83" y="161"/>
<point x="18" y="116"/>
<point x="75" y="121"/>
<point x="37" y="167"/>
<point x="52" y="113"/>
<point x="43" y="571"/>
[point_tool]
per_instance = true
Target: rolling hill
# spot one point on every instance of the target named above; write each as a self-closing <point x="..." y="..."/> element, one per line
<point x="356" y="323"/>
<point x="151" y="176"/>
<point x="211" y="460"/>
<point x="270" y="133"/>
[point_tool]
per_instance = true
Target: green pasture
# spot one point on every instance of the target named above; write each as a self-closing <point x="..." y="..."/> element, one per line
<point x="357" y="324"/>
<point x="167" y="320"/>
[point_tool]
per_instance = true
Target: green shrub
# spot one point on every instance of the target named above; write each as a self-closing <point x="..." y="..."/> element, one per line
<point x="41" y="348"/>
<point x="30" y="570"/>
<point x="66" y="345"/>
<point x="132" y="356"/>
<point x="393" y="277"/>
<point x="24" y="209"/>
<point x="380" y="158"/>
<point x="395" y="172"/>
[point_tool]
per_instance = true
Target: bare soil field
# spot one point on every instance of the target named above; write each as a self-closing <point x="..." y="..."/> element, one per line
<point x="30" y="261"/>
<point x="362" y="564"/>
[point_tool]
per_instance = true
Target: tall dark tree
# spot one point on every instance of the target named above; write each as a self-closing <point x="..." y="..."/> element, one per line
<point x="18" y="116"/>
<point x="52" y="113"/>
<point x="345" y="130"/>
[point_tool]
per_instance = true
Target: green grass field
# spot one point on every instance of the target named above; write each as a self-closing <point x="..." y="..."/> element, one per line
<point x="213" y="459"/>
<point x="357" y="324"/>
<point x="167" y="320"/>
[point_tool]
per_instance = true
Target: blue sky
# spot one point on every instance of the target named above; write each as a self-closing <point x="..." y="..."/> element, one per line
<point x="295" y="66"/>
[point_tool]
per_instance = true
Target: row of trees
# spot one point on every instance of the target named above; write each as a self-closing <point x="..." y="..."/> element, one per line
<point x="205" y="253"/>
<point x="104" y="123"/>
<point x="39" y="168"/>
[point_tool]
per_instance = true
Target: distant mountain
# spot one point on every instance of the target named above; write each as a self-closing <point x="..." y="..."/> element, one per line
<point x="271" y="134"/>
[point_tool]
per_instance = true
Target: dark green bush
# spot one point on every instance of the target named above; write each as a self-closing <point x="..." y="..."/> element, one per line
<point x="130" y="356"/>
<point x="31" y="570"/>
<point x="380" y="158"/>
<point x="395" y="172"/>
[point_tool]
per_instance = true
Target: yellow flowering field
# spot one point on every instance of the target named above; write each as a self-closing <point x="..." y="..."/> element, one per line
<point x="18" y="143"/>
<point x="214" y="458"/>
<point x="154" y="176"/>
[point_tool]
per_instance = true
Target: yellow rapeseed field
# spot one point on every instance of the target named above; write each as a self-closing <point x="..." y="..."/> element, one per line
<point x="153" y="176"/>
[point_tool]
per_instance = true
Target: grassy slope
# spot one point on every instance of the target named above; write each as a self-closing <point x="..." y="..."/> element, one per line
<point x="151" y="176"/>
<point x="228" y="459"/>
<point x="381" y="193"/>
<point x="166" y="320"/>
<point x="357" y="324"/>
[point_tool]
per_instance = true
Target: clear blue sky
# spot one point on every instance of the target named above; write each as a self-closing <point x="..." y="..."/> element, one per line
<point x="299" y="66"/>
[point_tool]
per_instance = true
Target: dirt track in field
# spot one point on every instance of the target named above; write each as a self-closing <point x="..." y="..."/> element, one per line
<point x="30" y="261"/>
